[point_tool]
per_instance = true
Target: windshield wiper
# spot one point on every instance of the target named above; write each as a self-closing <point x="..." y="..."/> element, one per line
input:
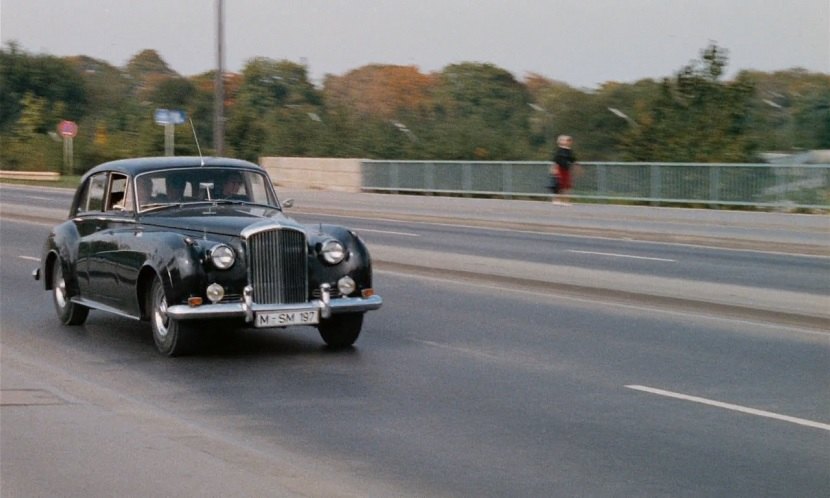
<point x="245" y="203"/>
<point x="158" y="206"/>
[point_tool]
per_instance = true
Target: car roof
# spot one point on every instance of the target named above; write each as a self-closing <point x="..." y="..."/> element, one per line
<point x="138" y="165"/>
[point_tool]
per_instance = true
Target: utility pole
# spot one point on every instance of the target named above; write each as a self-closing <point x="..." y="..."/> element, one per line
<point x="219" y="85"/>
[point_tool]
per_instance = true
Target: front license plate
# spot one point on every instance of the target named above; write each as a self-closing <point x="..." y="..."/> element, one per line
<point x="286" y="318"/>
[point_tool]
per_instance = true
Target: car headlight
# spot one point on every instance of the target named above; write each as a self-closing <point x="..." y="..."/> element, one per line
<point x="333" y="251"/>
<point x="222" y="256"/>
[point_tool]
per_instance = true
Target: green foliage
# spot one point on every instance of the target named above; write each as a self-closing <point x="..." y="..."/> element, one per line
<point x="269" y="84"/>
<point x="696" y="117"/>
<point x="173" y="93"/>
<point x="467" y="111"/>
<point x="146" y="65"/>
<point x="45" y="77"/>
<point x="483" y="113"/>
<point x="271" y="115"/>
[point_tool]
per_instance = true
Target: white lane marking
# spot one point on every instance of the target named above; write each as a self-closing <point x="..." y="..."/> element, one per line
<point x="458" y="349"/>
<point x="404" y="234"/>
<point x="39" y="198"/>
<point x="615" y="255"/>
<point x="29" y="258"/>
<point x="729" y="406"/>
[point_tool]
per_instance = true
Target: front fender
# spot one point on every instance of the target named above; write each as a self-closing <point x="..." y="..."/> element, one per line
<point x="357" y="265"/>
<point x="180" y="262"/>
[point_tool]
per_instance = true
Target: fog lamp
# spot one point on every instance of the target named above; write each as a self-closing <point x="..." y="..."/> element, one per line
<point x="215" y="292"/>
<point x="346" y="285"/>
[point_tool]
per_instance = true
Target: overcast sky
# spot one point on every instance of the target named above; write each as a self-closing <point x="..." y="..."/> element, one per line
<point x="581" y="42"/>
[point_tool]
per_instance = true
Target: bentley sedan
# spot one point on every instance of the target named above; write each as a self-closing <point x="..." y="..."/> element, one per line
<point x="185" y="242"/>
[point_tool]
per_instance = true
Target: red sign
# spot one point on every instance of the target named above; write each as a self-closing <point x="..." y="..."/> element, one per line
<point x="67" y="129"/>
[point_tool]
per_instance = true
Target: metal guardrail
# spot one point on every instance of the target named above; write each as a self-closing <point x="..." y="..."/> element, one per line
<point x="49" y="176"/>
<point x="759" y="185"/>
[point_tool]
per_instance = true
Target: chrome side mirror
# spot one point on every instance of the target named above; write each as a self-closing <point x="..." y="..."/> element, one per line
<point x="288" y="203"/>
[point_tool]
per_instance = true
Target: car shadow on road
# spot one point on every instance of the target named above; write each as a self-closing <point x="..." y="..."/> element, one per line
<point x="215" y="340"/>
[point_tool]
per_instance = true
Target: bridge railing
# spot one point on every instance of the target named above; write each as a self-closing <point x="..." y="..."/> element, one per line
<point x="759" y="185"/>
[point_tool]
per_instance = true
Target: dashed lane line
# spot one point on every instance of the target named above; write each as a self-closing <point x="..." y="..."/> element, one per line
<point x="730" y="406"/>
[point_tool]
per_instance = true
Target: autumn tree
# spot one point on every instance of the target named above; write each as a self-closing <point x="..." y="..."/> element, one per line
<point x="382" y="92"/>
<point x="379" y="109"/>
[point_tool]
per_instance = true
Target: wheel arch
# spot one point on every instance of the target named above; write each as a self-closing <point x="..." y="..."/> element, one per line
<point x="48" y="269"/>
<point x="144" y="284"/>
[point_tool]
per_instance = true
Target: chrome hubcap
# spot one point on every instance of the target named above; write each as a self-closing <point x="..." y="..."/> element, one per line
<point x="160" y="313"/>
<point x="60" y="288"/>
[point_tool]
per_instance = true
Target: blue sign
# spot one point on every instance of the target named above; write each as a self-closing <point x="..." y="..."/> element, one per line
<point x="167" y="116"/>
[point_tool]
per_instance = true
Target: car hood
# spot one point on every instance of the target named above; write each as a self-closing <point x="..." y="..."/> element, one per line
<point x="222" y="220"/>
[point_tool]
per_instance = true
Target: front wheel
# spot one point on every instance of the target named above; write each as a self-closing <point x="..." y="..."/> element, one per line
<point x="172" y="337"/>
<point x="68" y="312"/>
<point x="341" y="331"/>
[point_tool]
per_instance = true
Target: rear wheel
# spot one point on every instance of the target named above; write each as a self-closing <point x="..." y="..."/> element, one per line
<point x="172" y="337"/>
<point x="68" y="312"/>
<point x="341" y="331"/>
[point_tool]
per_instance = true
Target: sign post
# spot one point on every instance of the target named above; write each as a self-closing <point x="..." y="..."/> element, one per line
<point x="68" y="130"/>
<point x="169" y="119"/>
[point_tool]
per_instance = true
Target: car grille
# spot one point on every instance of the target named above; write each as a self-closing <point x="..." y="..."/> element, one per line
<point x="278" y="266"/>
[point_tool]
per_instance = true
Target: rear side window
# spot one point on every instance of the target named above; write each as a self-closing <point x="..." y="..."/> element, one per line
<point x="117" y="197"/>
<point x="93" y="197"/>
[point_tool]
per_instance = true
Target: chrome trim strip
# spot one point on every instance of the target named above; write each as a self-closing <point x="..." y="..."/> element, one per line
<point x="102" y="307"/>
<point x="355" y="304"/>
<point x="260" y="226"/>
<point x="238" y="310"/>
<point x="325" y="297"/>
<point x="248" y="303"/>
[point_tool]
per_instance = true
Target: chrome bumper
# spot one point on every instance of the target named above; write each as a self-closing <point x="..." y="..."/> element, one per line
<point x="247" y="308"/>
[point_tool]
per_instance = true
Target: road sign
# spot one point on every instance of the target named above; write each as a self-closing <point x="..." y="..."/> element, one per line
<point x="67" y="129"/>
<point x="162" y="116"/>
<point x="168" y="117"/>
<point x="177" y="117"/>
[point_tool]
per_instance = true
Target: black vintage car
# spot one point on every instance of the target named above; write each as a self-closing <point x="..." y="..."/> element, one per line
<point x="183" y="241"/>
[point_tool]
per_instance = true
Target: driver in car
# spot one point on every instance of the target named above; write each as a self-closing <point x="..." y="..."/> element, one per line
<point x="232" y="186"/>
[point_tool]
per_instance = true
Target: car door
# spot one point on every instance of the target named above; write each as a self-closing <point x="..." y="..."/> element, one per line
<point x="102" y="227"/>
<point x="87" y="222"/>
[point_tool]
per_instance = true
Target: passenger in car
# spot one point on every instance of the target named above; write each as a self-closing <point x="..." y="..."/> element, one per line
<point x="176" y="185"/>
<point x="144" y="190"/>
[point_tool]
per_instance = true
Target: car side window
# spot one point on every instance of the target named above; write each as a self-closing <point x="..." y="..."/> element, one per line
<point x="259" y="190"/>
<point x="93" y="199"/>
<point x="117" y="193"/>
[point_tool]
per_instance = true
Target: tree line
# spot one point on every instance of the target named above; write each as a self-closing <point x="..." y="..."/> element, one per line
<point x="466" y="111"/>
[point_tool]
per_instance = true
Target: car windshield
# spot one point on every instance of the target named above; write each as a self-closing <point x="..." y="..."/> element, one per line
<point x="157" y="189"/>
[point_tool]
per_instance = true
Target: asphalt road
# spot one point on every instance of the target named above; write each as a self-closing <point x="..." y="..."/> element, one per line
<point x="456" y="388"/>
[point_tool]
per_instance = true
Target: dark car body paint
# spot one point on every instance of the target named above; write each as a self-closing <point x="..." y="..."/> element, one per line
<point x="108" y="257"/>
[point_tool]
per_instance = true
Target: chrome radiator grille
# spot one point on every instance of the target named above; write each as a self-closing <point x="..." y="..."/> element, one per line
<point x="278" y="266"/>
